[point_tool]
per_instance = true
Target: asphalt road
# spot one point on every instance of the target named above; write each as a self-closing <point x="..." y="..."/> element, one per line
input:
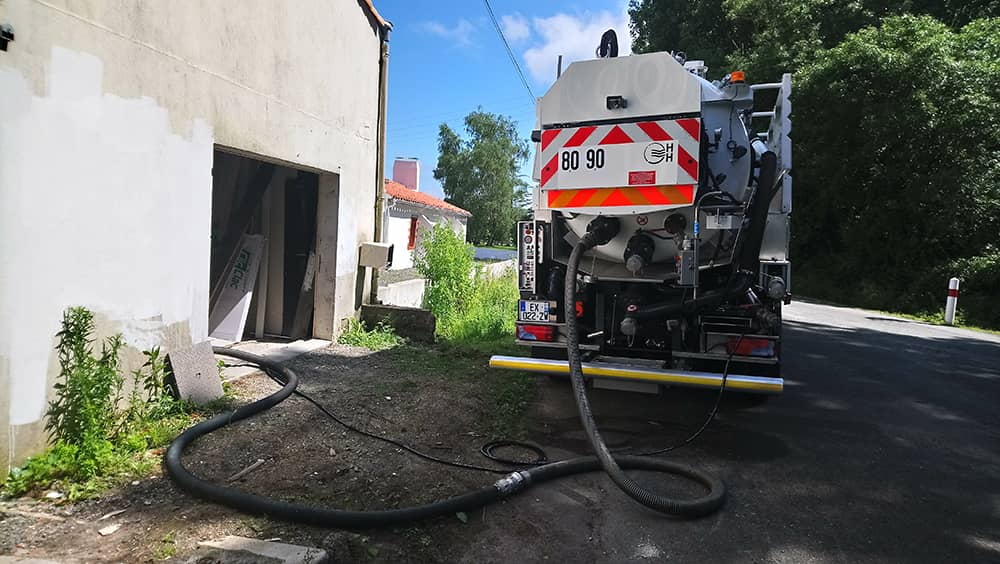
<point x="883" y="448"/>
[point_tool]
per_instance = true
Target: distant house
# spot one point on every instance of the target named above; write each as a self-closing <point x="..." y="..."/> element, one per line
<point x="410" y="212"/>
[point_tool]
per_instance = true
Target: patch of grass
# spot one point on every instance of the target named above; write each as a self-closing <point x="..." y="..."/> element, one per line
<point x="487" y="314"/>
<point x="167" y="547"/>
<point x="504" y="394"/>
<point x="378" y="338"/>
<point x="937" y="318"/>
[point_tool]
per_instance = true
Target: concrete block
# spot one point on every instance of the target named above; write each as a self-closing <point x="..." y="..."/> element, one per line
<point x="410" y="322"/>
<point x="196" y="373"/>
<point x="241" y="550"/>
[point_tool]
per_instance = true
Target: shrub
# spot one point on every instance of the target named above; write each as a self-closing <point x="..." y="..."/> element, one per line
<point x="891" y="186"/>
<point x="469" y="304"/>
<point x="445" y="260"/>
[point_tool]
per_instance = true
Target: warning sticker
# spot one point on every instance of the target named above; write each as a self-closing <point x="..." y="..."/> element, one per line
<point x="641" y="177"/>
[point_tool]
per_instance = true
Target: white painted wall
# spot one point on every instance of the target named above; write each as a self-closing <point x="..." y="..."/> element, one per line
<point x="408" y="293"/>
<point x="398" y="233"/>
<point x="109" y="113"/>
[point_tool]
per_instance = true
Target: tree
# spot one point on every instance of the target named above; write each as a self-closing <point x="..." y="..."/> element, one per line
<point x="697" y="28"/>
<point x="768" y="37"/>
<point x="480" y="174"/>
<point x="897" y="164"/>
<point x="895" y="136"/>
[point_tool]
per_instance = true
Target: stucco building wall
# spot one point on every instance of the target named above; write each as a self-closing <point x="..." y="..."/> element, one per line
<point x="109" y="116"/>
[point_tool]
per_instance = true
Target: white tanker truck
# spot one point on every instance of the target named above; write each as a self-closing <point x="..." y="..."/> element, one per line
<point x="678" y="217"/>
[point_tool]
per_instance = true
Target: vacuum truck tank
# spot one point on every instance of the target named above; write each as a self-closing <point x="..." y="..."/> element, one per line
<point x="693" y="208"/>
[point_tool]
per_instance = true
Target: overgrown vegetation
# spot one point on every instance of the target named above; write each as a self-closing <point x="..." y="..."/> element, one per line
<point x="97" y="436"/>
<point x="895" y="132"/>
<point x="470" y="305"/>
<point x="378" y="338"/>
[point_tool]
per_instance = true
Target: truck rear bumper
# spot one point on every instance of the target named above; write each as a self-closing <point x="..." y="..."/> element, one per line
<point x="737" y="382"/>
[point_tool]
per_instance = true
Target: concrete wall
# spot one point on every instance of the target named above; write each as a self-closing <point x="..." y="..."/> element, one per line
<point x="109" y="114"/>
<point x="408" y="293"/>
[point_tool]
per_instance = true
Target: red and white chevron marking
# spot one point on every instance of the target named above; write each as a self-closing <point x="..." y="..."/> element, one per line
<point x="623" y="161"/>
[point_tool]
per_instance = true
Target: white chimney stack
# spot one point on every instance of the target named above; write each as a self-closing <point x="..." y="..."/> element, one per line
<point x="407" y="173"/>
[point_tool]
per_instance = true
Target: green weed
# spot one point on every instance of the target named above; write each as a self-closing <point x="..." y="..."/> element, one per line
<point x="378" y="338"/>
<point x="167" y="547"/>
<point x="97" y="437"/>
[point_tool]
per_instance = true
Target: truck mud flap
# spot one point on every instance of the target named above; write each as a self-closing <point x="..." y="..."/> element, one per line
<point x="735" y="382"/>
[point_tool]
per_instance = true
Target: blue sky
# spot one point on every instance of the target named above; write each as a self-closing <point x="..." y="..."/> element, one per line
<point x="446" y="59"/>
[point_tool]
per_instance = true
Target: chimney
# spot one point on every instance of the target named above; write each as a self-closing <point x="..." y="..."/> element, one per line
<point x="407" y="172"/>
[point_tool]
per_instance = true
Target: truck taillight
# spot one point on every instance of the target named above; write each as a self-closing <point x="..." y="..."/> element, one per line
<point x="536" y="333"/>
<point x="750" y="346"/>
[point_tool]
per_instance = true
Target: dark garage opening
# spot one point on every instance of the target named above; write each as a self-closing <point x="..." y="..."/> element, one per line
<point x="263" y="257"/>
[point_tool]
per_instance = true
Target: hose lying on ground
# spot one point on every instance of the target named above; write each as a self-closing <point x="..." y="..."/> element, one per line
<point x="611" y="465"/>
<point x="509" y="485"/>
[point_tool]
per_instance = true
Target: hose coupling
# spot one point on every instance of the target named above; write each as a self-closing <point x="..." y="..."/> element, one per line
<point x="511" y="483"/>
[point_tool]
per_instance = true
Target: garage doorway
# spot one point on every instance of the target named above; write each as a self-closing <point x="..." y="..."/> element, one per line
<point x="263" y="257"/>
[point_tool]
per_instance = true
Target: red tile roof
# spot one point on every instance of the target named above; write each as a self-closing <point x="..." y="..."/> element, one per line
<point x="396" y="190"/>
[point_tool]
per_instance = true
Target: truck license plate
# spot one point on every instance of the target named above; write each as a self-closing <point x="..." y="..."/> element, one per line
<point x="533" y="311"/>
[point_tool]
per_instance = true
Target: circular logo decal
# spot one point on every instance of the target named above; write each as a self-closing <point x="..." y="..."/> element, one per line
<point x="642" y="220"/>
<point x="655" y="153"/>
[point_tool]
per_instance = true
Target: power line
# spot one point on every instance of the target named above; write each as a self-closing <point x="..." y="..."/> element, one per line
<point x="510" y="53"/>
<point x="433" y="123"/>
<point x="433" y="114"/>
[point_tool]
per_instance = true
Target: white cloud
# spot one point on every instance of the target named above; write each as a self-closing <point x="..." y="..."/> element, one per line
<point x="575" y="37"/>
<point x="515" y="27"/>
<point x="461" y="33"/>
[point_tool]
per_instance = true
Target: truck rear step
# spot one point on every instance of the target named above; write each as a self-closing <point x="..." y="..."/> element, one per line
<point x="736" y="382"/>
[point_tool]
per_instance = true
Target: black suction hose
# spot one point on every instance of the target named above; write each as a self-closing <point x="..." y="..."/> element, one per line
<point x="503" y="488"/>
<point x="676" y="507"/>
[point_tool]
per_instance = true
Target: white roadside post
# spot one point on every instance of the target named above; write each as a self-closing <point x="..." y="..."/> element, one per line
<point x="952" y="303"/>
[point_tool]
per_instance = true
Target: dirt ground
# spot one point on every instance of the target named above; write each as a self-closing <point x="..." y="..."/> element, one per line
<point x="437" y="400"/>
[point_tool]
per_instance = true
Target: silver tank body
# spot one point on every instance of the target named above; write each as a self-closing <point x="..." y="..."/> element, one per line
<point x="654" y="84"/>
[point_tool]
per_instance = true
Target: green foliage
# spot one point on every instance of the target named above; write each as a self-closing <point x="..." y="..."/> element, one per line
<point x="469" y="305"/>
<point x="480" y="174"/>
<point x="445" y="260"/>
<point x="96" y="441"/>
<point x="770" y="37"/>
<point x="83" y="415"/>
<point x="378" y="338"/>
<point x="488" y="313"/>
<point x="697" y="28"/>
<point x="915" y="114"/>
<point x="895" y="139"/>
<point x="503" y="395"/>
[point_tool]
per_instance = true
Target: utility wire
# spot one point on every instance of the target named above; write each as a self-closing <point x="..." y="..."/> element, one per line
<point x="510" y="53"/>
